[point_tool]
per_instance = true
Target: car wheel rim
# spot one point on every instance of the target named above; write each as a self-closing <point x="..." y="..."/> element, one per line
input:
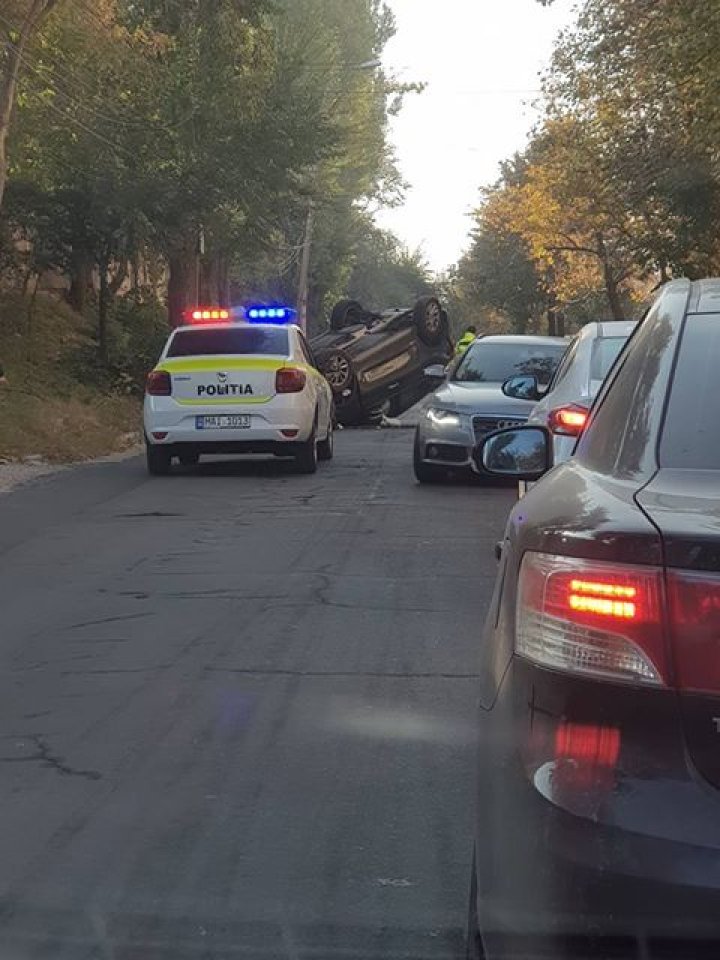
<point x="433" y="318"/>
<point x="337" y="372"/>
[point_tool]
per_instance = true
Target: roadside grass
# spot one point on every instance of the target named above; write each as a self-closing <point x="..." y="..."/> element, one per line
<point x="57" y="405"/>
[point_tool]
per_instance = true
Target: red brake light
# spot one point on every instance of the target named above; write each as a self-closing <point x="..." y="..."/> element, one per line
<point x="599" y="619"/>
<point x="568" y="421"/>
<point x="207" y="315"/>
<point x="290" y="380"/>
<point x="158" y="384"/>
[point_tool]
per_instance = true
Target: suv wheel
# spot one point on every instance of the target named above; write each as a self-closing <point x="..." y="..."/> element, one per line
<point x="346" y="313"/>
<point x="430" y="320"/>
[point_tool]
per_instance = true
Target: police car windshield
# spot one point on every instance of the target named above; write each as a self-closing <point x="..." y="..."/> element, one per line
<point x="230" y="341"/>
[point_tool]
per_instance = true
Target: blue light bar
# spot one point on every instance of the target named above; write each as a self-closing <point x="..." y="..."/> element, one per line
<point x="273" y="314"/>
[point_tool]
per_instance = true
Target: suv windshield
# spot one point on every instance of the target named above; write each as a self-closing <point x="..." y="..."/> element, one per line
<point x="233" y="341"/>
<point x="496" y="362"/>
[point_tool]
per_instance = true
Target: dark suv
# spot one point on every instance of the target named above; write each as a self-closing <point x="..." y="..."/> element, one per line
<point x="598" y="824"/>
<point x="375" y="362"/>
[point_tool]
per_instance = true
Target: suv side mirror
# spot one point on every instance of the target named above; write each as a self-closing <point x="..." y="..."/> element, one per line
<point x="435" y="372"/>
<point x="523" y="388"/>
<point x="524" y="453"/>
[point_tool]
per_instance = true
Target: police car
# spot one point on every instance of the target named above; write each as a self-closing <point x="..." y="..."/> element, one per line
<point x="237" y="384"/>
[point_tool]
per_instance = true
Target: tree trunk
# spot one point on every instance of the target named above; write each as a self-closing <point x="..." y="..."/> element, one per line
<point x="80" y="280"/>
<point x="9" y="77"/>
<point x="103" y="305"/>
<point x="181" y="285"/>
<point x="611" y="286"/>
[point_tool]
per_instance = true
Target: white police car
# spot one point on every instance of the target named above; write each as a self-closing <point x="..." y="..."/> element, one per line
<point x="228" y="387"/>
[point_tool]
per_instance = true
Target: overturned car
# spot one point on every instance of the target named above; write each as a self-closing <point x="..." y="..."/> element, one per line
<point x="375" y="362"/>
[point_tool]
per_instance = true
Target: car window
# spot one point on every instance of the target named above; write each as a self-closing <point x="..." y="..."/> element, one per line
<point x="605" y="351"/>
<point x="496" y="362"/>
<point x="690" y="432"/>
<point x="228" y="342"/>
<point x="565" y="364"/>
<point x="621" y="438"/>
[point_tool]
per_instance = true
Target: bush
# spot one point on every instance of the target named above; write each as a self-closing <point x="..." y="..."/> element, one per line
<point x="137" y="332"/>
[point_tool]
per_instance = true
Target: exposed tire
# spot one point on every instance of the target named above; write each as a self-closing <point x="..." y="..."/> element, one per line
<point x="189" y="459"/>
<point x="425" y="472"/>
<point x="346" y="313"/>
<point x="337" y="369"/>
<point x="306" y="455"/>
<point x="158" y="460"/>
<point x="326" y="447"/>
<point x="430" y="321"/>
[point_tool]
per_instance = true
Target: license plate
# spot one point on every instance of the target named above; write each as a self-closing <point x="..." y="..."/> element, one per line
<point x="223" y="422"/>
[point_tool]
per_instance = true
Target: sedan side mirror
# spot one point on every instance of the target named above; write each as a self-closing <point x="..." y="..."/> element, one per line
<point x="523" y="388"/>
<point x="523" y="453"/>
<point x="435" y="372"/>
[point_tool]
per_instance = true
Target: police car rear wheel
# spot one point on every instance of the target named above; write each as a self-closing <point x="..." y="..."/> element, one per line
<point x="306" y="456"/>
<point x="158" y="460"/>
<point x="325" y="448"/>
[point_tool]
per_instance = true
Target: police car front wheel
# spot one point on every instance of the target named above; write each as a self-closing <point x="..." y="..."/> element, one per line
<point x="158" y="460"/>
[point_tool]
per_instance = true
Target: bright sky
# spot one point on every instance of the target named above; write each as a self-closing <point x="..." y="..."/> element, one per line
<point x="480" y="59"/>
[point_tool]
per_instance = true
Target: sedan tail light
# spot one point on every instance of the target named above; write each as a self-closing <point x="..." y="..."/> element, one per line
<point x="290" y="380"/>
<point x="568" y="421"/>
<point x="592" y="618"/>
<point x="158" y="384"/>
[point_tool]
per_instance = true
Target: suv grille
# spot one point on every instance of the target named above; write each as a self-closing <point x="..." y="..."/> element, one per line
<point x="484" y="425"/>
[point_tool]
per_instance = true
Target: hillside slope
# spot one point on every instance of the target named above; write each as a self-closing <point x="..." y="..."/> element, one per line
<point x="57" y="403"/>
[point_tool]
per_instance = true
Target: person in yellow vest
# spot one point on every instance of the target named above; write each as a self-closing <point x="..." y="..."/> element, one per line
<point x="465" y="340"/>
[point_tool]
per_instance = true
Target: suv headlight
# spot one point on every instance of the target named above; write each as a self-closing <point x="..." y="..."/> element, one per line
<point x="444" y="418"/>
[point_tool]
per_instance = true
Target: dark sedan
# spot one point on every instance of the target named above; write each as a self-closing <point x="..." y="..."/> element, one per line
<point x="598" y="823"/>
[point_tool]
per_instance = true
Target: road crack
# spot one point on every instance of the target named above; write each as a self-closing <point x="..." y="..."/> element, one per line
<point x="45" y="756"/>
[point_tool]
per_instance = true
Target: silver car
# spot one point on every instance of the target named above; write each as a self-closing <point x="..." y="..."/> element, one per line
<point x="564" y="406"/>
<point x="471" y="402"/>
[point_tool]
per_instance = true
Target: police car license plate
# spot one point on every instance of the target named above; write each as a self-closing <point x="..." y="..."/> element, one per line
<point x="223" y="422"/>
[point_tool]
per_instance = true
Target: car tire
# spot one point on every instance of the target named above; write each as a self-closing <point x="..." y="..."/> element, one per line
<point x="189" y="459"/>
<point x="326" y="447"/>
<point x="337" y="369"/>
<point x="426" y="473"/>
<point x="306" y="455"/>
<point x="346" y="313"/>
<point x="430" y="321"/>
<point x="158" y="460"/>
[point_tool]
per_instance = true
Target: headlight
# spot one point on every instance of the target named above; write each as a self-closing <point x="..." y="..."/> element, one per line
<point x="443" y="417"/>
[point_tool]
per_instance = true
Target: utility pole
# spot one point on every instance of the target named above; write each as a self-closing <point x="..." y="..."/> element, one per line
<point x="199" y="254"/>
<point x="304" y="281"/>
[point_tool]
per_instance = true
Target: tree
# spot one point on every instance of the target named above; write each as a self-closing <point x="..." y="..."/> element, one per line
<point x="19" y="22"/>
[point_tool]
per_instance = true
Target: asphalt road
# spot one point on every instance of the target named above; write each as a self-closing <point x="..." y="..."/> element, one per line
<point x="236" y="709"/>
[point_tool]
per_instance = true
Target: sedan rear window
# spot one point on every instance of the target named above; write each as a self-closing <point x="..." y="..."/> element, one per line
<point x="690" y="433"/>
<point x="497" y="362"/>
<point x="233" y="341"/>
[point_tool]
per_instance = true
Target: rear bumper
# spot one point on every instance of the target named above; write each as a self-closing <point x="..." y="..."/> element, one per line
<point x="563" y="858"/>
<point x="169" y="424"/>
